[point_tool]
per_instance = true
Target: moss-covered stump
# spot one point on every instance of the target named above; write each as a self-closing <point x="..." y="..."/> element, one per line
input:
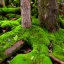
<point x="38" y="38"/>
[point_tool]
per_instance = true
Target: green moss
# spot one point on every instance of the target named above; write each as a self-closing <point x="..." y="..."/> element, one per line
<point x="61" y="20"/>
<point x="35" y="21"/>
<point x="2" y="18"/>
<point x="37" y="37"/>
<point x="9" y="10"/>
<point x="10" y="23"/>
<point x="9" y="16"/>
<point x="21" y="33"/>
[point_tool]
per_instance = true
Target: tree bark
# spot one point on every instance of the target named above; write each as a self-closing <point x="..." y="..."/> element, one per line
<point x="42" y="11"/>
<point x="26" y="13"/>
<point x="2" y="3"/>
<point x="48" y="14"/>
<point x="52" y="16"/>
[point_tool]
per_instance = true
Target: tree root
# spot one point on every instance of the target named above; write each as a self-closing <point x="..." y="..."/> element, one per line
<point x="56" y="60"/>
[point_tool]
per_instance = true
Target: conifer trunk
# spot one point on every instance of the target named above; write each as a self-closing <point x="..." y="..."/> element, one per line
<point x="26" y="13"/>
<point x="48" y="14"/>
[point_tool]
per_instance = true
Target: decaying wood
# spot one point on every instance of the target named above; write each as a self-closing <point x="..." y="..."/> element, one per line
<point x="14" y="48"/>
<point x="56" y="60"/>
<point x="26" y="13"/>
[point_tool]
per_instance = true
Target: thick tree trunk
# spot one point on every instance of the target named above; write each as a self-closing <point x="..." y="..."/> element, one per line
<point x="52" y="16"/>
<point x="26" y="13"/>
<point x="42" y="11"/>
<point x="48" y="14"/>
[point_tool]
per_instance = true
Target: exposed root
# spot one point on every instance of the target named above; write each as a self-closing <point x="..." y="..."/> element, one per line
<point x="54" y="59"/>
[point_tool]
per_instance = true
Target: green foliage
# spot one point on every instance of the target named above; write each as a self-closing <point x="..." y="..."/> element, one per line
<point x="35" y="21"/>
<point x="9" y="16"/>
<point x="58" y="46"/>
<point x="10" y="23"/>
<point x="34" y="8"/>
<point x="61" y="20"/>
<point x="9" y="10"/>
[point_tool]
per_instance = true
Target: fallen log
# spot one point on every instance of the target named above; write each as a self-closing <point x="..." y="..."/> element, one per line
<point x="55" y="59"/>
<point x="9" y="10"/>
<point x="14" y="48"/>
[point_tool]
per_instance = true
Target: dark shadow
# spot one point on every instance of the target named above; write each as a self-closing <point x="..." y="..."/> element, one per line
<point x="4" y="30"/>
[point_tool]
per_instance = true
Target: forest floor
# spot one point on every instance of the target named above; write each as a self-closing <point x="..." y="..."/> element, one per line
<point x="37" y="45"/>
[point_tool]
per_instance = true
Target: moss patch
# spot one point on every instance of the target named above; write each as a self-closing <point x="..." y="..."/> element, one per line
<point x="37" y="37"/>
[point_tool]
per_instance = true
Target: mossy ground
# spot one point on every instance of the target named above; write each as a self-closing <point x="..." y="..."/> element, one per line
<point x="38" y="37"/>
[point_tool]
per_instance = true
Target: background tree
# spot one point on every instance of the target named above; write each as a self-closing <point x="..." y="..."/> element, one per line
<point x="26" y="13"/>
<point x="6" y="2"/>
<point x="48" y="14"/>
<point x="2" y="3"/>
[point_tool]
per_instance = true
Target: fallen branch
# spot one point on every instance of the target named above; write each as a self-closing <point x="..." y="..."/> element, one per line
<point x="56" y="60"/>
<point x="14" y="48"/>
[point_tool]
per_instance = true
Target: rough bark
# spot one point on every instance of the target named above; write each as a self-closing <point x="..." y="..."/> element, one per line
<point x="52" y="15"/>
<point x="42" y="11"/>
<point x="48" y="14"/>
<point x="26" y="13"/>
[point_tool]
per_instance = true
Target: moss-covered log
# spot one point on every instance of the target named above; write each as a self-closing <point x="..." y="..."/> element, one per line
<point x="9" y="10"/>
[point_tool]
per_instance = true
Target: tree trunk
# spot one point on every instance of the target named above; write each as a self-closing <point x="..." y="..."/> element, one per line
<point x="53" y="16"/>
<point x="2" y="3"/>
<point x="26" y="13"/>
<point x="42" y="11"/>
<point x="48" y="14"/>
